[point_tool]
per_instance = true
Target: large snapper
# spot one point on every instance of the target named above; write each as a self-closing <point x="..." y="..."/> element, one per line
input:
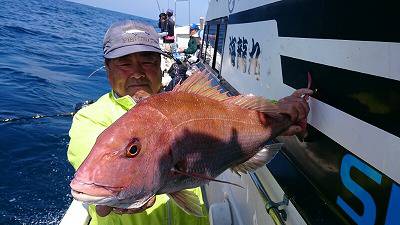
<point x="178" y="140"/>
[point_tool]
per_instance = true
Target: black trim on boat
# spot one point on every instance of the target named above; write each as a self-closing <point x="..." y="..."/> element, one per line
<point x="364" y="20"/>
<point x="370" y="98"/>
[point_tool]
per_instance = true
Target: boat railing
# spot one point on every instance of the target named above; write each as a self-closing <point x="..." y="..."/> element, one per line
<point x="77" y="214"/>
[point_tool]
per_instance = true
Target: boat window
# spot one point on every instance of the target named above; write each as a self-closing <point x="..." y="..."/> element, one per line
<point x="204" y="42"/>
<point x="220" y="45"/>
<point x="213" y="43"/>
<point x="209" y="52"/>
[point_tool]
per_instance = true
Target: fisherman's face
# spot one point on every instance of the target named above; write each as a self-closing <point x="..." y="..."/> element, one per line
<point x="137" y="74"/>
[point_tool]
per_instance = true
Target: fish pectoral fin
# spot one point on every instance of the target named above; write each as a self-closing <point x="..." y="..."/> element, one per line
<point x="262" y="157"/>
<point x="205" y="177"/>
<point x="188" y="202"/>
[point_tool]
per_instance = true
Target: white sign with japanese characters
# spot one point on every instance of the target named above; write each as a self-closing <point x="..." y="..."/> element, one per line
<point x="251" y="60"/>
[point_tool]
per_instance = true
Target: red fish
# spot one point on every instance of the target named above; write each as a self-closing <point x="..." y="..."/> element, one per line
<point x="177" y="140"/>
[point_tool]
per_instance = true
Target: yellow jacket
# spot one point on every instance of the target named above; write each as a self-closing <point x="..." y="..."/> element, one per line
<point x="87" y="124"/>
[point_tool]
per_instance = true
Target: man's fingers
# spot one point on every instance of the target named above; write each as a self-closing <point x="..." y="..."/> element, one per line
<point x="289" y="110"/>
<point x="128" y="211"/>
<point x="295" y="108"/>
<point x="302" y="92"/>
<point x="303" y="108"/>
<point x="292" y="130"/>
<point x="149" y="204"/>
<point x="103" y="210"/>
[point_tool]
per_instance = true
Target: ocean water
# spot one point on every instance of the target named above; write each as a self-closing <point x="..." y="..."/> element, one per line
<point x="48" y="48"/>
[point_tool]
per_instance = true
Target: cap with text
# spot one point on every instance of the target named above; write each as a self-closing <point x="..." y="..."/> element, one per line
<point x="127" y="37"/>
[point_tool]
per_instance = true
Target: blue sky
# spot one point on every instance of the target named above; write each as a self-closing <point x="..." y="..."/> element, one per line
<point x="149" y="8"/>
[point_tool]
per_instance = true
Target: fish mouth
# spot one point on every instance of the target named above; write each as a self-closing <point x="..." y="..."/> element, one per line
<point x="112" y="201"/>
<point x="94" y="189"/>
<point x="96" y="194"/>
<point x="91" y="199"/>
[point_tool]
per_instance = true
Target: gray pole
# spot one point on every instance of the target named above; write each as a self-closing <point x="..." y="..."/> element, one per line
<point x="189" y="12"/>
<point x="175" y="12"/>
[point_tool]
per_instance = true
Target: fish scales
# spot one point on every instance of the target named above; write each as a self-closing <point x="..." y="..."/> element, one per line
<point x="209" y="139"/>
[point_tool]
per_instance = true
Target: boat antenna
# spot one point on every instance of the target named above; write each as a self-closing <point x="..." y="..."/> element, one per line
<point x="158" y="4"/>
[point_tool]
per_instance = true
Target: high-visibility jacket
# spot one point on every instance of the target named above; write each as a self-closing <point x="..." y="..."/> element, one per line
<point x="87" y="124"/>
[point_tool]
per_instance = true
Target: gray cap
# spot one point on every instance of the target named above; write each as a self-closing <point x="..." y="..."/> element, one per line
<point x="127" y="37"/>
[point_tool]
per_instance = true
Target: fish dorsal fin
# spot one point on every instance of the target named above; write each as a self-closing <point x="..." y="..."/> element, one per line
<point x="252" y="102"/>
<point x="264" y="156"/>
<point x="188" y="202"/>
<point x="199" y="83"/>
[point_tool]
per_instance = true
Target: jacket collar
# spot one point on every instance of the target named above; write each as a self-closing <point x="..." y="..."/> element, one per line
<point x="126" y="101"/>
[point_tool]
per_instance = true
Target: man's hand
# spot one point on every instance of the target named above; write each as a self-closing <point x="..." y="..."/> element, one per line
<point x="296" y="107"/>
<point x="103" y="210"/>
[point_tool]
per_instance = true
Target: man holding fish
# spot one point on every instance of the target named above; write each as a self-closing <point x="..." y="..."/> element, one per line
<point x="135" y="147"/>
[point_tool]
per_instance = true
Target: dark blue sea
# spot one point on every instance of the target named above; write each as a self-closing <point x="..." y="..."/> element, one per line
<point x="48" y="48"/>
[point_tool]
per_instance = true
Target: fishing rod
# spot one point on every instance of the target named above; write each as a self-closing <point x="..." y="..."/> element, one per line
<point x="158" y="4"/>
<point x="40" y="116"/>
<point x="77" y="107"/>
<point x="101" y="67"/>
<point x="63" y="114"/>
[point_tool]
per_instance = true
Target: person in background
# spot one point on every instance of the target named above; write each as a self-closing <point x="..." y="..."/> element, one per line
<point x="201" y="26"/>
<point x="170" y="38"/>
<point x="132" y="60"/>
<point x="194" y="40"/>
<point x="162" y="22"/>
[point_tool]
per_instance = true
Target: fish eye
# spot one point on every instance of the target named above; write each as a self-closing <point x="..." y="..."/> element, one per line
<point x="134" y="149"/>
